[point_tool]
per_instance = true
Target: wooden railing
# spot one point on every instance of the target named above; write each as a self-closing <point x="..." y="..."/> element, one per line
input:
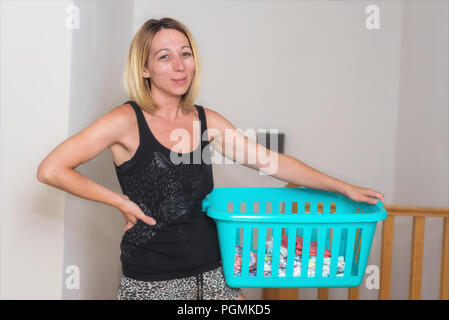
<point x="419" y="214"/>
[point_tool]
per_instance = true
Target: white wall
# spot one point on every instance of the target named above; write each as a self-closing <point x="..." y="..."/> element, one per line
<point x="93" y="230"/>
<point x="34" y="111"/>
<point x="421" y="141"/>
<point x="347" y="98"/>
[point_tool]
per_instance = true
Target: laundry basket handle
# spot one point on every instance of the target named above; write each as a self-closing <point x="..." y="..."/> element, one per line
<point x="205" y="204"/>
<point x="380" y="204"/>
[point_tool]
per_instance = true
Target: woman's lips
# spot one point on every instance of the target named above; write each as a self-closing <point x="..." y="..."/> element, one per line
<point x="181" y="81"/>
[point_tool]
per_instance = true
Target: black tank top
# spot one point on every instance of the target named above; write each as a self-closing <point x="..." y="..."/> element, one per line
<point x="184" y="241"/>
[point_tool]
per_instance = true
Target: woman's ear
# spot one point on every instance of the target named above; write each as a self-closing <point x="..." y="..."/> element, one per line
<point x="146" y="73"/>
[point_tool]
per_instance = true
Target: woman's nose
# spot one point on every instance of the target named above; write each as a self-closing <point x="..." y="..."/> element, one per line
<point x="178" y="64"/>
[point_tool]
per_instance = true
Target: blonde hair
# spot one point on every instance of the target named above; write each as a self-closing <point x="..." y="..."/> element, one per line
<point x="138" y="87"/>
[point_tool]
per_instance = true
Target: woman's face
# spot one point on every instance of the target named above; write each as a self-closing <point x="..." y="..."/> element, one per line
<point x="170" y="58"/>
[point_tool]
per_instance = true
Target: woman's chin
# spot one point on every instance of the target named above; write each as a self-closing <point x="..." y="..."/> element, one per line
<point x="179" y="91"/>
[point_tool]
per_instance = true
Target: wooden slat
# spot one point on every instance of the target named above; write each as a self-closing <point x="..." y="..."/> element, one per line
<point x="386" y="258"/>
<point x="323" y="293"/>
<point x="357" y="243"/>
<point x="434" y="212"/>
<point x="354" y="293"/>
<point x="280" y="294"/>
<point x="270" y="294"/>
<point x="417" y="258"/>
<point x="444" y="273"/>
<point x="289" y="294"/>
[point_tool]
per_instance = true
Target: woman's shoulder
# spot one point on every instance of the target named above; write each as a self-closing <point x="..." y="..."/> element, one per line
<point x="217" y="121"/>
<point x="213" y="115"/>
<point x="209" y="112"/>
<point x="123" y="119"/>
<point x="124" y="113"/>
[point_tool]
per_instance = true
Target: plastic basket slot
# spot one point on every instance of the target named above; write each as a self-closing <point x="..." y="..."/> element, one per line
<point x="237" y="237"/>
<point x="291" y="248"/>
<point x="256" y="207"/>
<point x="333" y="207"/>
<point x="268" y="267"/>
<point x="366" y="236"/>
<point x="278" y="207"/>
<point x="254" y="239"/>
<point x="307" y="208"/>
<point x="276" y="252"/>
<point x="358" y="240"/>
<point x="230" y="207"/>
<point x="281" y="207"/>
<point x="261" y="251"/>
<point x="294" y="207"/>
<point x="342" y="251"/>
<point x="314" y="237"/>
<point x="336" y="237"/>
<point x="350" y="240"/>
<point x="268" y="207"/>
<point x="321" y="238"/>
<point x="247" y="239"/>
<point x="237" y="266"/>
<point x="320" y="208"/>
<point x="305" y="252"/>
<point x="254" y="247"/>
<point x="357" y="243"/>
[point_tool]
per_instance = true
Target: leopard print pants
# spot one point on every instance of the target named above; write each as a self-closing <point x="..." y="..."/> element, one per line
<point x="208" y="285"/>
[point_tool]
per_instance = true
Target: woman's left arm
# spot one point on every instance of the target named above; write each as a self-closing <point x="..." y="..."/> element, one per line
<point x="234" y="145"/>
<point x="294" y="171"/>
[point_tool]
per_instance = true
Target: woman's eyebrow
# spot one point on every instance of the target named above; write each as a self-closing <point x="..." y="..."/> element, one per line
<point x="169" y="49"/>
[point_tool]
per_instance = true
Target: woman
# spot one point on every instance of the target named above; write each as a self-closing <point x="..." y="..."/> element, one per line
<point x="170" y="248"/>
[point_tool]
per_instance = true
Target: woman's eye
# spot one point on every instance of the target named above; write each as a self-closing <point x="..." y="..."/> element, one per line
<point x="165" y="55"/>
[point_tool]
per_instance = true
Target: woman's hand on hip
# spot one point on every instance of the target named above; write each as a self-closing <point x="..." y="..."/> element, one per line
<point x="132" y="212"/>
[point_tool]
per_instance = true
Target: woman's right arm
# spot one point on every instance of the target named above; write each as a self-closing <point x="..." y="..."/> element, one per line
<point x="58" y="167"/>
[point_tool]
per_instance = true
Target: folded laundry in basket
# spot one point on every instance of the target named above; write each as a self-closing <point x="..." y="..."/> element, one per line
<point x="297" y="263"/>
<point x="238" y="260"/>
<point x="298" y="250"/>
<point x="283" y="263"/>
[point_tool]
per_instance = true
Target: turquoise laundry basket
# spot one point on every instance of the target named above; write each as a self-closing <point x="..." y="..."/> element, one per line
<point x="292" y="237"/>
